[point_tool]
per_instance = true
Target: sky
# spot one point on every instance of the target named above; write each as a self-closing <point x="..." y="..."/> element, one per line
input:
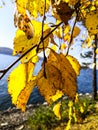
<point x="7" y="28"/>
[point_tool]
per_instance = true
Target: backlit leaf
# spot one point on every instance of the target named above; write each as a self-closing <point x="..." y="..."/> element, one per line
<point x="75" y="64"/>
<point x="24" y="23"/>
<point x="76" y="32"/>
<point x="17" y="81"/>
<point x="56" y="110"/>
<point x="97" y="51"/>
<point x="62" y="10"/>
<point x="22" y="43"/>
<point x="36" y="7"/>
<point x="60" y="77"/>
<point x="24" y="95"/>
<point x="21" y="6"/>
<point x="20" y="84"/>
<point x="92" y="25"/>
<point x="58" y="95"/>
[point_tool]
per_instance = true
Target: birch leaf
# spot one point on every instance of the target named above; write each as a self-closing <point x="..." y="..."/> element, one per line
<point x="75" y="64"/>
<point x="60" y="77"/>
<point x="20" y="84"/>
<point x="97" y="51"/>
<point x="24" y="95"/>
<point x="92" y="25"/>
<point x="22" y="43"/>
<point x="76" y="32"/>
<point x="21" y="6"/>
<point x="56" y="110"/>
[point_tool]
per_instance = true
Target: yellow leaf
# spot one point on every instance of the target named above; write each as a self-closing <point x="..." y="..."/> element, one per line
<point x="76" y="32"/>
<point x="92" y="8"/>
<point x="60" y="76"/>
<point x="17" y="81"/>
<point x="58" y="32"/>
<point x="24" y="24"/>
<point x="72" y="2"/>
<point x="67" y="29"/>
<point x="68" y="75"/>
<point x="81" y="108"/>
<point x="54" y="47"/>
<point x="36" y="7"/>
<point x="21" y="6"/>
<point x="58" y="95"/>
<point x="35" y="59"/>
<point x="92" y="25"/>
<point x="63" y="46"/>
<point x="75" y="64"/>
<point x="51" y="81"/>
<point x="20" y="81"/>
<point x="97" y="51"/>
<point x="24" y="95"/>
<point x="56" y="110"/>
<point x="22" y="43"/>
<point x="67" y="37"/>
<point x="29" y="70"/>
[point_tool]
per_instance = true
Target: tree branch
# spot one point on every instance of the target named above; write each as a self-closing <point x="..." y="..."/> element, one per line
<point x="43" y="36"/>
<point x="7" y="69"/>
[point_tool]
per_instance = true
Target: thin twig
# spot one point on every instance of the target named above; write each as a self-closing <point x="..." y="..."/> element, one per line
<point x="16" y="61"/>
<point x="71" y="38"/>
<point x="43" y="36"/>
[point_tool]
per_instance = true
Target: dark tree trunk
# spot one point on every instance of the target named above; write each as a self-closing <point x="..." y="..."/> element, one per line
<point x="95" y="71"/>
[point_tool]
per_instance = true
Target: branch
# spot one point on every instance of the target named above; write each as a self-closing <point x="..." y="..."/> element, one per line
<point x="7" y="69"/>
<point x="77" y="12"/>
<point x="42" y="37"/>
<point x="71" y="38"/>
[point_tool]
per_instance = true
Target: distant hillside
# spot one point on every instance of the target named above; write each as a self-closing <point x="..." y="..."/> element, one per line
<point x="6" y="50"/>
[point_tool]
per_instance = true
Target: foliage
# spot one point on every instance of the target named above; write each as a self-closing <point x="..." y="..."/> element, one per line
<point x="44" y="118"/>
<point x="35" y="35"/>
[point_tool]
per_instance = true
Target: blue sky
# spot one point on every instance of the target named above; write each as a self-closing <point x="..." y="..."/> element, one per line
<point x="7" y="29"/>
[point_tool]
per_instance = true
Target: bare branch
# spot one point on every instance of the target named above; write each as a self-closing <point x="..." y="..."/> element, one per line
<point x="43" y="36"/>
<point x="69" y="45"/>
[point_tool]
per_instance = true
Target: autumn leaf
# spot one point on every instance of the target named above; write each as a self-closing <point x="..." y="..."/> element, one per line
<point x="97" y="51"/>
<point x="48" y="86"/>
<point x="71" y="2"/>
<point x="75" y="64"/>
<point x="24" y="24"/>
<point x="60" y="77"/>
<point x="22" y="43"/>
<point x="36" y="7"/>
<point x="62" y="11"/>
<point x="21" y="84"/>
<point x="92" y="25"/>
<point x="58" y="95"/>
<point x="17" y="81"/>
<point x="68" y="75"/>
<point x="63" y="46"/>
<point x="67" y="37"/>
<point x="67" y="29"/>
<point x="56" y="110"/>
<point x="76" y="32"/>
<point x="25" y="93"/>
<point x="21" y="6"/>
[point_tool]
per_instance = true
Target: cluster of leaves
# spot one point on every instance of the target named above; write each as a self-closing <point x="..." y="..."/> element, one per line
<point x="59" y="71"/>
